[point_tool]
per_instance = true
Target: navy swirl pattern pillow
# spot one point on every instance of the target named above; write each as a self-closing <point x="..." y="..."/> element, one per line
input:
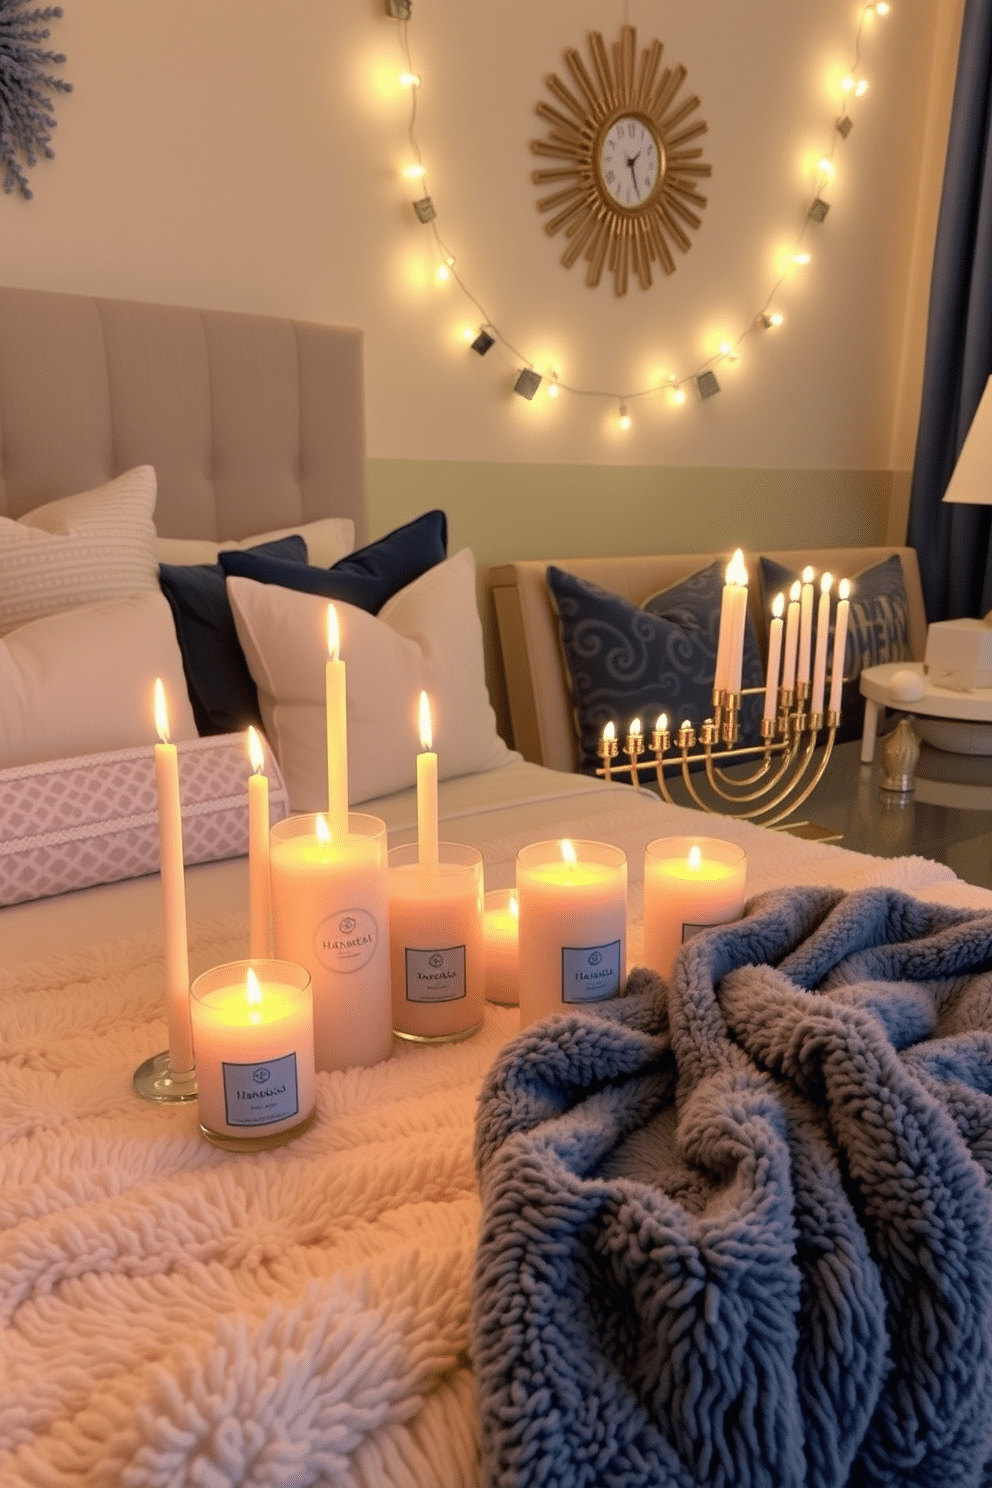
<point x="626" y="661"/>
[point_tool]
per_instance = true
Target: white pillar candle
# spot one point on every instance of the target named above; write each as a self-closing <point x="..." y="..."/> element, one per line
<point x="336" y="709"/>
<point x="426" y="792"/>
<point x="773" y="668"/>
<point x="820" y="654"/>
<point x="259" y="897"/>
<point x="690" y="883"/>
<point x="437" y="950"/>
<point x="500" y="930"/>
<point x="722" y="670"/>
<point x="170" y="837"/>
<point x="805" y="626"/>
<point x="572" y="900"/>
<point x="330" y="913"/>
<point x="253" y="1032"/>
<point x="791" y="640"/>
<point x="840" y="646"/>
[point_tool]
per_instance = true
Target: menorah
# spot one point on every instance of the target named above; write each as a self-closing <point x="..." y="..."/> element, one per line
<point x="785" y="773"/>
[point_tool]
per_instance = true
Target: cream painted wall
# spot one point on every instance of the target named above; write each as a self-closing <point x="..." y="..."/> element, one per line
<point x="228" y="154"/>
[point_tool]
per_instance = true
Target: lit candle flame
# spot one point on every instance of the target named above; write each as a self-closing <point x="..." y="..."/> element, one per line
<point x="333" y="633"/>
<point x="736" y="570"/>
<point x="253" y="991"/>
<point x="161" y="713"/>
<point x="321" y="828"/>
<point x="568" y="853"/>
<point x="845" y="588"/>
<point x="778" y="605"/>
<point x="635" y="727"/>
<point x="808" y="575"/>
<point x="794" y="592"/>
<point x="514" y="907"/>
<point x="825" y="583"/>
<point x="255" y="752"/>
<point x="662" y="724"/>
<point x="426" y="734"/>
<point x="609" y="732"/>
<point x="695" y="857"/>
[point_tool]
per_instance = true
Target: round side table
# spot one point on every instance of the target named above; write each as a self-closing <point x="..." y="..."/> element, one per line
<point x="974" y="706"/>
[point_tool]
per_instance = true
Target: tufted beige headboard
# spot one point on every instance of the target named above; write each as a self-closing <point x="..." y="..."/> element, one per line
<point x="251" y="422"/>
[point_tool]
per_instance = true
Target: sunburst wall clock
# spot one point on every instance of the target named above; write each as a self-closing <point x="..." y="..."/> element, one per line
<point x="27" y="117"/>
<point x="627" y="185"/>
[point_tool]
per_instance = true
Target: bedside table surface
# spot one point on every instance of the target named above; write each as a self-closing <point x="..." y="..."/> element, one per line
<point x="974" y="705"/>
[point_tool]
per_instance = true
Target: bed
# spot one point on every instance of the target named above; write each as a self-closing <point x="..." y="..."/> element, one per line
<point x="331" y="1312"/>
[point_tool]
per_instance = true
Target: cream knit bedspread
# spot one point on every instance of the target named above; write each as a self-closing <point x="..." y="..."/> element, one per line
<point x="175" y="1315"/>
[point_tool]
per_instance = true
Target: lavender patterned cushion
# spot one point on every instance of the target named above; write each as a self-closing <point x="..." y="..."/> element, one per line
<point x="73" y="823"/>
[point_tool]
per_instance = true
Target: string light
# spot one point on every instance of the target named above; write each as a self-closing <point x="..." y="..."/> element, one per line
<point x="705" y="381"/>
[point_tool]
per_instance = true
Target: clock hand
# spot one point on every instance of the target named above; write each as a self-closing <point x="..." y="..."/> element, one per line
<point x="631" y="162"/>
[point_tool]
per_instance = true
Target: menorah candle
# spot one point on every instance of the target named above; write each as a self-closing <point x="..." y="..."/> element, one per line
<point x="170" y="836"/>
<point x="840" y="645"/>
<point x="733" y="613"/>
<point x="330" y="913"/>
<point x="259" y="896"/>
<point x="572" y="899"/>
<point x="437" y="950"/>
<point x="336" y="717"/>
<point x="820" y="655"/>
<point x="253" y="1035"/>
<point x="791" y="639"/>
<point x="774" y="658"/>
<point x="501" y="933"/>
<point x="805" y="626"/>
<point x="690" y="883"/>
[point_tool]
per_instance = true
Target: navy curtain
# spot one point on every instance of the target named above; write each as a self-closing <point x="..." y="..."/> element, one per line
<point x="953" y="541"/>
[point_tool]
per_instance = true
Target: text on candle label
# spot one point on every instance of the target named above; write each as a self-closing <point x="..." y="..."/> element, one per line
<point x="435" y="976"/>
<point x="590" y="973"/>
<point x="347" y="940"/>
<point x="260" y="1094"/>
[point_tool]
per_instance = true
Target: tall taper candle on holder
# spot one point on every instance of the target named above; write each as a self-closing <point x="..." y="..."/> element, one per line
<point x="171" y="1076"/>
<point x="840" y="646"/>
<point x="426" y="793"/>
<point x="259" y="892"/>
<point x="336" y="711"/>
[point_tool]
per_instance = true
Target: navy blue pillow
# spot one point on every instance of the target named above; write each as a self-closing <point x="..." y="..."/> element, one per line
<point x="626" y="662"/>
<point x="877" y="628"/>
<point x="366" y="578"/>
<point x="222" y="694"/>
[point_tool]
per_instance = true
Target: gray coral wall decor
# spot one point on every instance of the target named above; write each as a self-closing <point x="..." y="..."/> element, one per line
<point x="27" y="115"/>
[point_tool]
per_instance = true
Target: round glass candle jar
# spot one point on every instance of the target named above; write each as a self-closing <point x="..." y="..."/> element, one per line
<point x="330" y="912"/>
<point x="437" y="953"/>
<point x="573" y="926"/>
<point x="500" y="924"/>
<point x="690" y="883"/>
<point x="253" y="1043"/>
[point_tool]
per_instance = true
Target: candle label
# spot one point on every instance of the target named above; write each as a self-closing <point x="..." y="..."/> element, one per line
<point x="260" y="1094"/>
<point x="435" y="976"/>
<point x="590" y="973"/>
<point x="347" y="940"/>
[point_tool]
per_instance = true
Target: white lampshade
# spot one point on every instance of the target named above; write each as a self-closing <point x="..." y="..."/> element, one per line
<point x="971" y="481"/>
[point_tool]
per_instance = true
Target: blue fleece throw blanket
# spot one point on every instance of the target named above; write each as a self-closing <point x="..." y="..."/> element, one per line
<point x="737" y="1230"/>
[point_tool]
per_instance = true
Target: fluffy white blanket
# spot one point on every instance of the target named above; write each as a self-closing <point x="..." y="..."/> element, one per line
<point x="175" y="1315"/>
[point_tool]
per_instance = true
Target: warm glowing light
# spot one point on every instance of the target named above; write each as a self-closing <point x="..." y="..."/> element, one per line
<point x="161" y="714"/>
<point x="514" y="907"/>
<point x="826" y="168"/>
<point x="778" y="606"/>
<point x="414" y="172"/>
<point x="426" y="732"/>
<point x="844" y="588"/>
<point x="794" y="592"/>
<point x="776" y="318"/>
<point x="553" y="388"/>
<point x="253" y="992"/>
<point x="825" y="583"/>
<point x="321" y="830"/>
<point x="609" y="731"/>
<point x="409" y="80"/>
<point x="469" y="335"/>
<point x="800" y="258"/>
<point x="443" y="274"/>
<point x="662" y="723"/>
<point x="737" y="569"/>
<point x="695" y="858"/>
<point x="624" y="417"/>
<point x="880" y="8"/>
<point x="677" y="396"/>
<point x="333" y="633"/>
<point x="635" y="728"/>
<point x="861" y="89"/>
<point x="255" y="752"/>
<point x="847" y="84"/>
<point x="809" y="573"/>
<point x="568" y="852"/>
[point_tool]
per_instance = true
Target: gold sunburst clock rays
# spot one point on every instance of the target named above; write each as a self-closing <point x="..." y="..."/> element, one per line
<point x="626" y="188"/>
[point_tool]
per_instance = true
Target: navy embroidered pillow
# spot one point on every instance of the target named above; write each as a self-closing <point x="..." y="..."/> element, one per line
<point x="626" y="661"/>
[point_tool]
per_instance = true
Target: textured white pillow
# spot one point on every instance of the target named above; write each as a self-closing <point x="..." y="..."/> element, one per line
<point x="97" y="545"/>
<point x="84" y="681"/>
<point x="426" y="637"/>
<point x="327" y="540"/>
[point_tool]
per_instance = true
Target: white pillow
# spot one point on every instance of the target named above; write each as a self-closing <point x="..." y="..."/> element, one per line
<point x="84" y="681"/>
<point x="327" y="540"/>
<point x="426" y="637"/>
<point x="97" y="545"/>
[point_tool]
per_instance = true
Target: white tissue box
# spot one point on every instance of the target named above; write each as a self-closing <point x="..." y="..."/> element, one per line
<point x="959" y="653"/>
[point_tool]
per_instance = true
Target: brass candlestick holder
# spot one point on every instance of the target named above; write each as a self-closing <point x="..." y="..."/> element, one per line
<point x="784" y="775"/>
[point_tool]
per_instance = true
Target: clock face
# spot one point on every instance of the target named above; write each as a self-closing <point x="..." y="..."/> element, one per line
<point x="630" y="162"/>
